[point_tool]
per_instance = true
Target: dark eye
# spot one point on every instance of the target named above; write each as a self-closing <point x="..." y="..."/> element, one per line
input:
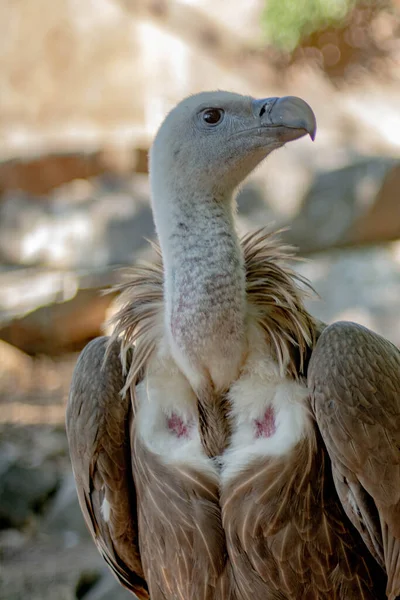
<point x="212" y="116"/>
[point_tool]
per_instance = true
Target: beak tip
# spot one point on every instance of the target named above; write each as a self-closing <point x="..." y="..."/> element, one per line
<point x="313" y="129"/>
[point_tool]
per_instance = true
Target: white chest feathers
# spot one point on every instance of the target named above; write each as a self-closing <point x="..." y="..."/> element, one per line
<point x="269" y="416"/>
<point x="166" y="418"/>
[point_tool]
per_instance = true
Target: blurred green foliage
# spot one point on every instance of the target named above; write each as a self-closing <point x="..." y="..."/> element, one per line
<point x="286" y="22"/>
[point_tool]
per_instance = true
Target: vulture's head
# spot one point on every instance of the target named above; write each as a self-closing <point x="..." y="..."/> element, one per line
<point x="216" y="139"/>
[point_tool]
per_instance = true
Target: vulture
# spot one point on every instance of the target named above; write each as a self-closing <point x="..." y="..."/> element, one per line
<point x="226" y="445"/>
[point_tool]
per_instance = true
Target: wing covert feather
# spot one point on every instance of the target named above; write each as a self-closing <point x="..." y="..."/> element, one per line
<point x="98" y="434"/>
<point x="354" y="378"/>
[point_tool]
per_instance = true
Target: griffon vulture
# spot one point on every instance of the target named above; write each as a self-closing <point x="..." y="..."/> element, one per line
<point x="225" y="444"/>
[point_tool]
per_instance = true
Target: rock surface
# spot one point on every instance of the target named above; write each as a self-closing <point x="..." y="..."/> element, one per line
<point x="361" y="285"/>
<point x="46" y="555"/>
<point x="24" y="492"/>
<point x="351" y="206"/>
<point x="64" y="517"/>
<point x="44" y="571"/>
<point x="108" y="588"/>
<point x="84" y="224"/>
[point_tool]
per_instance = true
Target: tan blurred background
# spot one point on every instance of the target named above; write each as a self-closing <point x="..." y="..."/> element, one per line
<point x="83" y="86"/>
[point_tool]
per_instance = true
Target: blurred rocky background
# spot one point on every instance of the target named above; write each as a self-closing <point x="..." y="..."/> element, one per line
<point x="84" y="85"/>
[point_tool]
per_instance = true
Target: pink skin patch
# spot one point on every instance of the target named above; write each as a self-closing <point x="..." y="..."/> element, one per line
<point x="266" y="427"/>
<point x="177" y="426"/>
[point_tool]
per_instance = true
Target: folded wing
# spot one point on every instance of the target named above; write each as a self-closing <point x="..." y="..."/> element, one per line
<point x="354" y="377"/>
<point x="98" y="434"/>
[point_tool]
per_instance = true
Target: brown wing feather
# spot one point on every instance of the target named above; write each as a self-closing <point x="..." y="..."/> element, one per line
<point x="181" y="535"/>
<point x="98" y="435"/>
<point x="290" y="535"/>
<point x="354" y="376"/>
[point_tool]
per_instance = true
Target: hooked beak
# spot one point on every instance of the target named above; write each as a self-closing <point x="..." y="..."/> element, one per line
<point x="291" y="115"/>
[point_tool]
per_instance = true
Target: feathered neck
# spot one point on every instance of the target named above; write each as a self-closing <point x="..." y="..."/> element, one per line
<point x="204" y="289"/>
<point x="272" y="288"/>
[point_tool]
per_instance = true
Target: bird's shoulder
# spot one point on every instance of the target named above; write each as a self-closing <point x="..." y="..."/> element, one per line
<point x="360" y="370"/>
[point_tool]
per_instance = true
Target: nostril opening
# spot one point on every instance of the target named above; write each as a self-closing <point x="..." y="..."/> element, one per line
<point x="262" y="107"/>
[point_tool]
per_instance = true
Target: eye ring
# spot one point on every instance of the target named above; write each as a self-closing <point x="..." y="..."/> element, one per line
<point x="212" y="116"/>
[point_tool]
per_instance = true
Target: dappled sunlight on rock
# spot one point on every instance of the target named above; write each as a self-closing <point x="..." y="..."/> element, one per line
<point x="24" y="290"/>
<point x="95" y="229"/>
<point x="55" y="239"/>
